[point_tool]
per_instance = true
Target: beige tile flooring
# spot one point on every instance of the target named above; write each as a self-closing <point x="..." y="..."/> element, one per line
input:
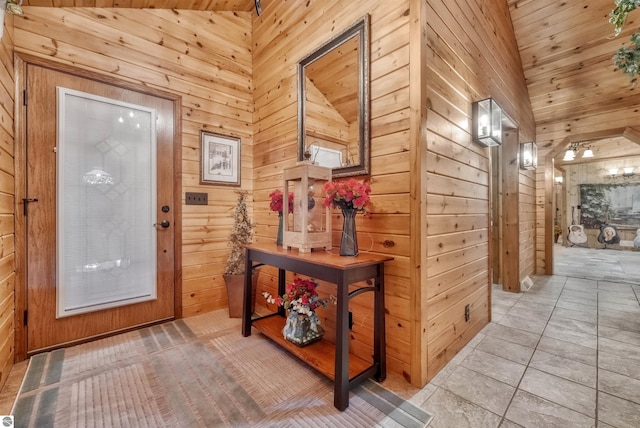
<point x="565" y="353"/>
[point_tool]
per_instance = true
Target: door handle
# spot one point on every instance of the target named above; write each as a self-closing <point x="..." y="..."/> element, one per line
<point x="164" y="224"/>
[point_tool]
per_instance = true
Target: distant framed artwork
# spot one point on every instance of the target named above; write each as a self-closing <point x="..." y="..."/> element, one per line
<point x="615" y="204"/>
<point x="220" y="159"/>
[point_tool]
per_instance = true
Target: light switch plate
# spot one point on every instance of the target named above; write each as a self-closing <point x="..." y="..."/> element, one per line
<point x="193" y="198"/>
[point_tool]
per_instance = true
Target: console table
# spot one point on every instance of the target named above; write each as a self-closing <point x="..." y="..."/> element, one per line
<point x="347" y="370"/>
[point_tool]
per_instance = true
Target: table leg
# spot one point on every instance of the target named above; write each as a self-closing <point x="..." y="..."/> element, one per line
<point x="379" y="343"/>
<point x="246" y="300"/>
<point x="341" y="382"/>
<point x="282" y="286"/>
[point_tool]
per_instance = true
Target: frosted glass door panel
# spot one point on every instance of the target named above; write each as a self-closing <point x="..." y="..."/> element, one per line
<point x="106" y="203"/>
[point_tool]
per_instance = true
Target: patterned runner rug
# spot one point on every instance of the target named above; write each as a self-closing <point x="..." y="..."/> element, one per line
<point x="194" y="372"/>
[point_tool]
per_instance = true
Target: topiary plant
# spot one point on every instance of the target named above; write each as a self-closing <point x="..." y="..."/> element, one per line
<point x="241" y="234"/>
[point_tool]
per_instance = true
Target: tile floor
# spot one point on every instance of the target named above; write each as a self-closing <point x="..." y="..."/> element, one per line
<point x="565" y="353"/>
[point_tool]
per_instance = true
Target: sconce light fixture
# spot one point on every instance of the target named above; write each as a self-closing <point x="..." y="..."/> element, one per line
<point x="625" y="172"/>
<point x="487" y="122"/>
<point x="529" y="155"/>
<point x="559" y="179"/>
<point x="569" y="155"/>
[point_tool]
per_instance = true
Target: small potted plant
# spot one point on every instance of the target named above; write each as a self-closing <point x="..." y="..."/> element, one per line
<point x="241" y="235"/>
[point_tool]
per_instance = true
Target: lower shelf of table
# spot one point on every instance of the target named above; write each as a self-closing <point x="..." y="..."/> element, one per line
<point x="320" y="355"/>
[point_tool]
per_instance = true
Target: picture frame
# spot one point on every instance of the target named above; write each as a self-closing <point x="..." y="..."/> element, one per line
<point x="219" y="159"/>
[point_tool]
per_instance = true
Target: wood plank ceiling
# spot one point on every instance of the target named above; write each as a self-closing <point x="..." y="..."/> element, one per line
<point x="218" y="5"/>
<point x="565" y="49"/>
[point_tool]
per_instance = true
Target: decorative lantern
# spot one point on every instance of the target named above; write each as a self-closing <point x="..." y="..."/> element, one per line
<point x="528" y="155"/>
<point x="487" y="122"/>
<point x="309" y="226"/>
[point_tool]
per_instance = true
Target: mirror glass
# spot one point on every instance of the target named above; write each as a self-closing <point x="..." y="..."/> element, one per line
<point x="333" y="103"/>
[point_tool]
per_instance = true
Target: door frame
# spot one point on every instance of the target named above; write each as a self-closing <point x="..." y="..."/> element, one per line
<point x="20" y="64"/>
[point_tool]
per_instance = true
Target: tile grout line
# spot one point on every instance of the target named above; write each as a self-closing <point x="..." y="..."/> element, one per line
<point x="597" y="348"/>
<point x="533" y="353"/>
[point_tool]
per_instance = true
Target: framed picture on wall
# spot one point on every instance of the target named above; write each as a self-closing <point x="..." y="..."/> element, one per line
<point x="219" y="159"/>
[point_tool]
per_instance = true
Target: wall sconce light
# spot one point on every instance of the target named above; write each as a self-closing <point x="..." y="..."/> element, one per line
<point x="573" y="150"/>
<point x="569" y="155"/>
<point x="559" y="179"/>
<point x="487" y="122"/>
<point x="529" y="155"/>
<point x="626" y="172"/>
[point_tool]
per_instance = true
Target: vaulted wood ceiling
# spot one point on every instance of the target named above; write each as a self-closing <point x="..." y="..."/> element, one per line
<point x="565" y="48"/>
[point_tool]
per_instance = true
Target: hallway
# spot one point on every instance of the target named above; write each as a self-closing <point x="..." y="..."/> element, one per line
<point x="565" y="353"/>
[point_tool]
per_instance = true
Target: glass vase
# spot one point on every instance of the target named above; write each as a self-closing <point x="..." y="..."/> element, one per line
<point x="302" y="329"/>
<point x="349" y="241"/>
<point x="280" y="226"/>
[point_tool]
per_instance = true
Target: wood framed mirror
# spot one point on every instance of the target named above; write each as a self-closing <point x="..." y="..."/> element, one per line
<point x="334" y="103"/>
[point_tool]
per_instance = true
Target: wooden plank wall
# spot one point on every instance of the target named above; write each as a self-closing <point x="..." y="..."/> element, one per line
<point x="209" y="68"/>
<point x="7" y="207"/>
<point x="527" y="222"/>
<point x="282" y="36"/>
<point x="471" y="55"/>
<point x="455" y="253"/>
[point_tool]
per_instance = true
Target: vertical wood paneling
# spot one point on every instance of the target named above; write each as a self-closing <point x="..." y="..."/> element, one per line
<point x="211" y="69"/>
<point x="7" y="206"/>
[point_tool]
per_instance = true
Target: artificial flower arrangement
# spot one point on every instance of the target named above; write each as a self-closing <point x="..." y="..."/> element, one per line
<point x="276" y="203"/>
<point x="300" y="296"/>
<point x="349" y="193"/>
<point x="301" y="299"/>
